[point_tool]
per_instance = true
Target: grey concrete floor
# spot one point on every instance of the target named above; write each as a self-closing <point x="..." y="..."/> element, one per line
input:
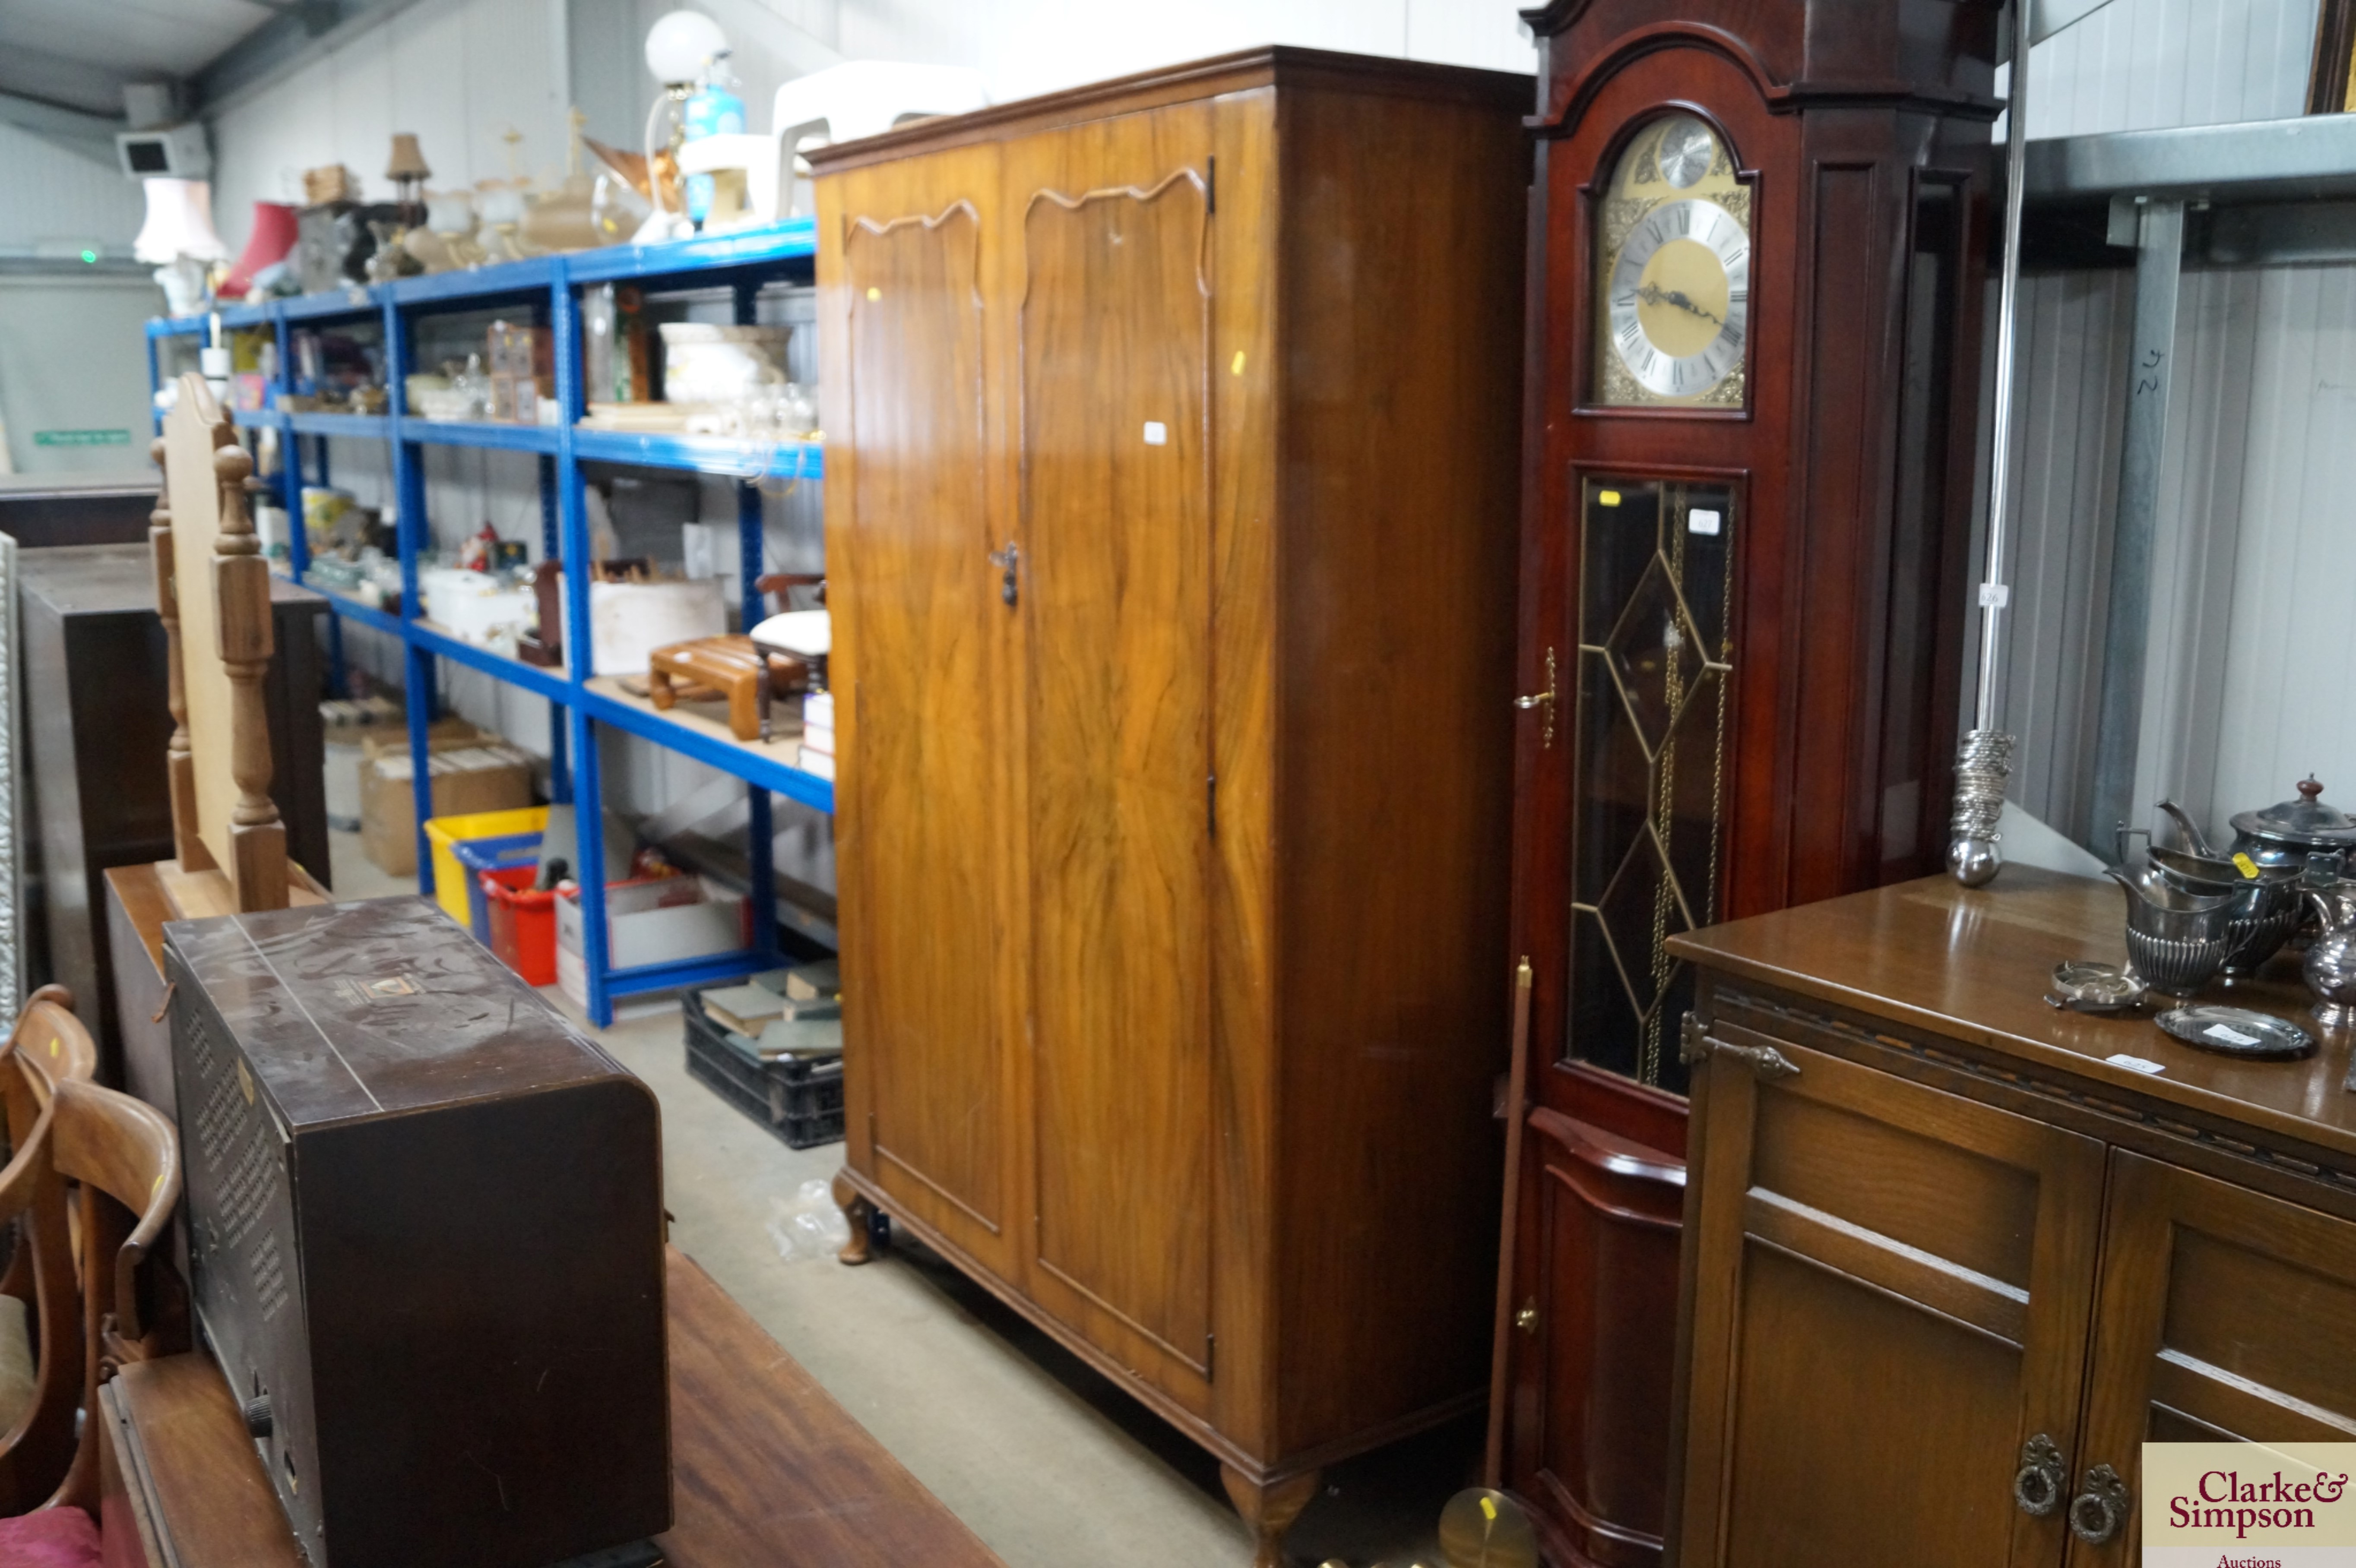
<point x="1049" y="1462"/>
<point x="1046" y="1460"/>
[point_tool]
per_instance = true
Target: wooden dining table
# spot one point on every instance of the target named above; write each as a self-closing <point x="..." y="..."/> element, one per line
<point x="766" y="1468"/>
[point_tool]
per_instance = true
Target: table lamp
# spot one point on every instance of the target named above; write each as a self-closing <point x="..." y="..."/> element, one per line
<point x="178" y="234"/>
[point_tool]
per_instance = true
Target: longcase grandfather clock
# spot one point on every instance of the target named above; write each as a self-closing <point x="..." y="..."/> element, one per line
<point x="1754" y="366"/>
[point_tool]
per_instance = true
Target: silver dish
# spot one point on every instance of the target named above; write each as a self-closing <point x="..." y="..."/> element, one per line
<point x="2238" y="1031"/>
<point x="2083" y="985"/>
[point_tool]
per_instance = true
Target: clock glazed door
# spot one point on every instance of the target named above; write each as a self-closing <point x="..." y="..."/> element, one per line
<point x="1744" y="533"/>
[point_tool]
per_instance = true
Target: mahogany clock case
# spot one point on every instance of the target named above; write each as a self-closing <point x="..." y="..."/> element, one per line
<point x="1838" y="490"/>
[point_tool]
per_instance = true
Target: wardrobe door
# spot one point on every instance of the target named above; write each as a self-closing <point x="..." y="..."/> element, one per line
<point x="2225" y="1314"/>
<point x="921" y="671"/>
<point x="1891" y="1288"/>
<point x="1116" y="596"/>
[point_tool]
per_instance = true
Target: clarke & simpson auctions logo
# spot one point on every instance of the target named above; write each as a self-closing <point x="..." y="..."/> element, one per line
<point x="2248" y="1505"/>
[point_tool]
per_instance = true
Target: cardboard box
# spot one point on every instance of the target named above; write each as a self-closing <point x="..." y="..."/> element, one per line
<point x="466" y="779"/>
<point x="359" y="734"/>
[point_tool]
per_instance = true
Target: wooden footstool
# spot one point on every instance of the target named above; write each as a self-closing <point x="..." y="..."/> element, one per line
<point x="730" y="668"/>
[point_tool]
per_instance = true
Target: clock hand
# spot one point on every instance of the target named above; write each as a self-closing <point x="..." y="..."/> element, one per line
<point x="1652" y="293"/>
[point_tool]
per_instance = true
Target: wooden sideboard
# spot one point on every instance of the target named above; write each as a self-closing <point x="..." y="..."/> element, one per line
<point x="1172" y="449"/>
<point x="1931" y="1221"/>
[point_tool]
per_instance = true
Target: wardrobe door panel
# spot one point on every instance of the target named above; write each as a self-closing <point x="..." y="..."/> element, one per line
<point x="1116" y="595"/>
<point x="919" y="615"/>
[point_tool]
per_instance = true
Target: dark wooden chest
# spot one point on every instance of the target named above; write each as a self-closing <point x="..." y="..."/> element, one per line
<point x="96" y="725"/>
<point x="426" y="1233"/>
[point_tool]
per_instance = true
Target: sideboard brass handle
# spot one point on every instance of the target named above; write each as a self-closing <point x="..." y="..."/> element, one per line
<point x="1767" y="1064"/>
<point x="2100" y="1507"/>
<point x="2037" y="1488"/>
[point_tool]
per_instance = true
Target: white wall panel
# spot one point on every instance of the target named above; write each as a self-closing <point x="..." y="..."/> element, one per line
<point x="54" y="195"/>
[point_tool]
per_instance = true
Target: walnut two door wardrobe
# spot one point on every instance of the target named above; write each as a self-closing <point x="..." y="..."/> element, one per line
<point x="1173" y="433"/>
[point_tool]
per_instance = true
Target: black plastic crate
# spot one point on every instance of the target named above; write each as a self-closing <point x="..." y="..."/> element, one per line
<point x="798" y="1098"/>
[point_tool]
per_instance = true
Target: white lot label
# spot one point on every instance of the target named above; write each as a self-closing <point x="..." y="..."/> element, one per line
<point x="2134" y="1063"/>
<point x="1156" y="433"/>
<point x="1701" y="521"/>
<point x="2230" y="1035"/>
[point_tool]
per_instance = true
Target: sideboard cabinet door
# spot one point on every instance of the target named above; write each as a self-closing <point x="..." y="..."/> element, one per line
<point x="924" y="659"/>
<point x="1891" y="1290"/>
<point x="2225" y="1314"/>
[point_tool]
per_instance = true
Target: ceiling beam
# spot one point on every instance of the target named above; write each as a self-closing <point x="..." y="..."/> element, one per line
<point x="85" y="135"/>
<point x="303" y="31"/>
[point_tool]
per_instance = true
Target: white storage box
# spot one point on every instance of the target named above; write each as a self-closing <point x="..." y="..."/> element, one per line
<point x="475" y="608"/>
<point x="630" y="620"/>
<point x="659" y="921"/>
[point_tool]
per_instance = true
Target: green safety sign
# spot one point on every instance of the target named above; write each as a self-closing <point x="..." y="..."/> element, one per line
<point x="81" y="438"/>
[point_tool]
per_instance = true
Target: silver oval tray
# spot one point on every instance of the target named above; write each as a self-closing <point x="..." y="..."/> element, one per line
<point x="2238" y="1031"/>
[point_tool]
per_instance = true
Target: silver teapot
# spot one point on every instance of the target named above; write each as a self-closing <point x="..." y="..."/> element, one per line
<point x="2288" y="833"/>
<point x="2267" y="909"/>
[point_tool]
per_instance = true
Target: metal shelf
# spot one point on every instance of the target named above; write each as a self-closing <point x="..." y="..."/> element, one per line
<point x="730" y="459"/>
<point x="538" y="438"/>
<point x="369" y="427"/>
<point x="578" y="704"/>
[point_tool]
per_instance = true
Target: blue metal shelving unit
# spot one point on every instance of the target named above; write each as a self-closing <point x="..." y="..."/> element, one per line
<point x="546" y="287"/>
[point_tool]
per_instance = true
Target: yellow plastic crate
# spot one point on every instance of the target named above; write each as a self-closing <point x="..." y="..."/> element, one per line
<point x="443" y="832"/>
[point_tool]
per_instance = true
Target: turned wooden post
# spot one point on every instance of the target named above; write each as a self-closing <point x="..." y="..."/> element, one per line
<point x="257" y="870"/>
<point x="179" y="760"/>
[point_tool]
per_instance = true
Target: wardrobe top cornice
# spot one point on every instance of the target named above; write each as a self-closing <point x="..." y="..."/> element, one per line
<point x="1274" y="65"/>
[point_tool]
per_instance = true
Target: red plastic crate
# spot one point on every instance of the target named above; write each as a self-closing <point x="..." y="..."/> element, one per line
<point x="523" y="923"/>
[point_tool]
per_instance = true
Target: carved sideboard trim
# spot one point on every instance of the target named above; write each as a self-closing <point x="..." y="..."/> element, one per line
<point x="2078" y="1096"/>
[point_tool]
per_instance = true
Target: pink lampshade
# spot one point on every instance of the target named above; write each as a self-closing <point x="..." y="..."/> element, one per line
<point x="179" y="222"/>
<point x="271" y="241"/>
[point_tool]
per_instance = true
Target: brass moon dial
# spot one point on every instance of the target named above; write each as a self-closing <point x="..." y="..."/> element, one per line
<point x="1673" y="271"/>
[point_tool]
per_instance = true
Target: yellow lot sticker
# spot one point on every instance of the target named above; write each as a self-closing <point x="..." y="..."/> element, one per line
<point x="2248" y="1505"/>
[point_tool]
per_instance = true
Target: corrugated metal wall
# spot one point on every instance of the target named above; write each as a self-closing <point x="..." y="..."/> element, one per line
<point x="2253" y="622"/>
<point x="2138" y="64"/>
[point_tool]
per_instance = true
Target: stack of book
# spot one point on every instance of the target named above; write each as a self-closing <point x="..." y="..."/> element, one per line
<point x="786" y="1013"/>
<point x="817" y="734"/>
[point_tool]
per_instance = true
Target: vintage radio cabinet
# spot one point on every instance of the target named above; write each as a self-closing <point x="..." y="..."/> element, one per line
<point x="425" y="1229"/>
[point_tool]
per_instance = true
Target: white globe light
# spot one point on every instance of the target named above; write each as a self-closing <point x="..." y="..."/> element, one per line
<point x="678" y="43"/>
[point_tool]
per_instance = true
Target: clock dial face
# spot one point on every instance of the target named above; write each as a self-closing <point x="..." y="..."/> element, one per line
<point x="1673" y="271"/>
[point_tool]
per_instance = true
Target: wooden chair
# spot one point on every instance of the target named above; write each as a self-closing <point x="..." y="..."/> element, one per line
<point x="126" y="1156"/>
<point x="127" y="1159"/>
<point x="38" y="1452"/>
<point x="212" y="590"/>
